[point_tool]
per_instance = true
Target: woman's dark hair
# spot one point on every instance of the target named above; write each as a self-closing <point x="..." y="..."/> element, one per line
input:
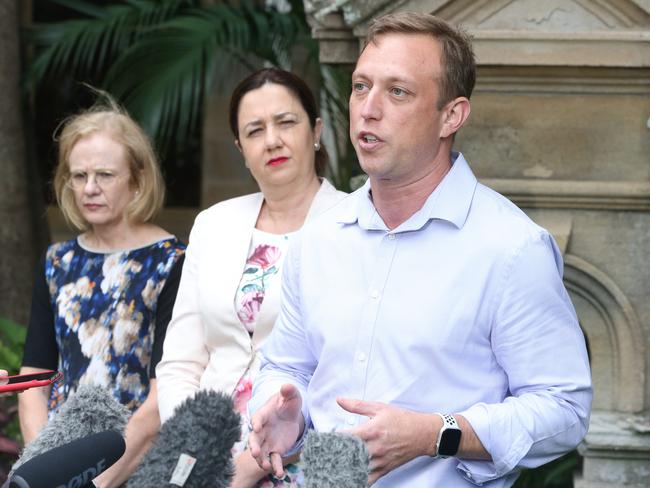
<point x="292" y="83"/>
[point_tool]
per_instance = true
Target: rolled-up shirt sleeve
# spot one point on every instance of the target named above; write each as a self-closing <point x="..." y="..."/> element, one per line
<point x="538" y="342"/>
<point x="286" y="357"/>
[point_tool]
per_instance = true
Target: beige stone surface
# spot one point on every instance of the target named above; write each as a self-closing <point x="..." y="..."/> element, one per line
<point x="564" y="136"/>
<point x="223" y="173"/>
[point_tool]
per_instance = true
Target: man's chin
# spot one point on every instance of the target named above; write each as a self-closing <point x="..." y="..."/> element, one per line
<point x="373" y="163"/>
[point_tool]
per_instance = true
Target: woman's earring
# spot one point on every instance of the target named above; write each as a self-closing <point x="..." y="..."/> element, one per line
<point x="316" y="146"/>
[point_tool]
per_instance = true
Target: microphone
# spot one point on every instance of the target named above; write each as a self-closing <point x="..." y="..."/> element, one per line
<point x="72" y="465"/>
<point x="193" y="448"/>
<point x="335" y="460"/>
<point x="91" y="409"/>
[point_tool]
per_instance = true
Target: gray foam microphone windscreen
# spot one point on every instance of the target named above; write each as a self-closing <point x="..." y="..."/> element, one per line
<point x="204" y="427"/>
<point x="335" y="460"/>
<point x="90" y="410"/>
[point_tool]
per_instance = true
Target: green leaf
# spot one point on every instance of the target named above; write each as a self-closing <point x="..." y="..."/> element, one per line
<point x="12" y="332"/>
<point x="252" y="287"/>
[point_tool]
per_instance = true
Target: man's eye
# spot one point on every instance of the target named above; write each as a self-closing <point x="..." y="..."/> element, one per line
<point x="358" y="87"/>
<point x="398" y="92"/>
<point x="254" y="132"/>
<point x="287" y="123"/>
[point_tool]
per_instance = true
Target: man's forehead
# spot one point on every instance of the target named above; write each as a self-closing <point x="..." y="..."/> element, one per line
<point x="400" y="55"/>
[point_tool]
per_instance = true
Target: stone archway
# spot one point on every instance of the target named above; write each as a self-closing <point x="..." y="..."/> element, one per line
<point x="614" y="334"/>
<point x="617" y="448"/>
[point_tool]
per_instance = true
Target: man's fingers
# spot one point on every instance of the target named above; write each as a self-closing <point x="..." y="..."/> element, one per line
<point x="288" y="391"/>
<point x="276" y="464"/>
<point x="255" y="445"/>
<point x="372" y="478"/>
<point x="369" y="409"/>
<point x="263" y="460"/>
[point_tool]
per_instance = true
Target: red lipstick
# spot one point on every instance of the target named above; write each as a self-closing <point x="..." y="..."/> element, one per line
<point x="277" y="161"/>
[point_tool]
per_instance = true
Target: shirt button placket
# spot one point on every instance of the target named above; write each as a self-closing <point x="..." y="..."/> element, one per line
<point x="367" y="326"/>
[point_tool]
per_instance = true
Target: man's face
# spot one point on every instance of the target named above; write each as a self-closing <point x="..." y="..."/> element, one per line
<point x="395" y="125"/>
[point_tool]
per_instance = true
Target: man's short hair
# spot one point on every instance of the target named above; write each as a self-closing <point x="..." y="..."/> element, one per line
<point x="145" y="174"/>
<point x="458" y="62"/>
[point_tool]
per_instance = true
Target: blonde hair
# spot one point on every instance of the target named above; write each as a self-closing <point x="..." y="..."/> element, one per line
<point x="145" y="175"/>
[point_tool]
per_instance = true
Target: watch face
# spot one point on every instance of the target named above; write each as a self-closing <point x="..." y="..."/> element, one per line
<point x="449" y="442"/>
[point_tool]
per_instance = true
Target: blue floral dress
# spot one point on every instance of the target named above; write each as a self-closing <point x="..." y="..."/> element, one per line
<point x="103" y="322"/>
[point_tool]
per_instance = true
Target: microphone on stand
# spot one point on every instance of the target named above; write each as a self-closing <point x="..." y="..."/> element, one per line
<point x="72" y="465"/>
<point x="335" y="460"/>
<point x="193" y="448"/>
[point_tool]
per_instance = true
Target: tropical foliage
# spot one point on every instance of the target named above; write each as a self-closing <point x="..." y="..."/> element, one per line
<point x="12" y="340"/>
<point x="161" y="58"/>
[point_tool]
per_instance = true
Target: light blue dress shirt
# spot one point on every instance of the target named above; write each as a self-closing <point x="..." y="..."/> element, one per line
<point x="460" y="309"/>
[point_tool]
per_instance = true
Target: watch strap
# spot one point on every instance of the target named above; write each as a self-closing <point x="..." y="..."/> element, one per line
<point x="448" y="422"/>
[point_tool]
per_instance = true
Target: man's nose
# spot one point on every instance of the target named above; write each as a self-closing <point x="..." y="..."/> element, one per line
<point x="371" y="107"/>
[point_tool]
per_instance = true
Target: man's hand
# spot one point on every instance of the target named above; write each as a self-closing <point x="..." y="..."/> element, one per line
<point x="393" y="436"/>
<point x="276" y="427"/>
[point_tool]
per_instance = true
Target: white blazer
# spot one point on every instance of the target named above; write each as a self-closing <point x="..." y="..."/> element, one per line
<point x="206" y="345"/>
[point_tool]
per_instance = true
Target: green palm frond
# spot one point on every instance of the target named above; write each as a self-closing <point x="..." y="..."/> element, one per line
<point x="163" y="77"/>
<point x="161" y="57"/>
<point x="85" y="47"/>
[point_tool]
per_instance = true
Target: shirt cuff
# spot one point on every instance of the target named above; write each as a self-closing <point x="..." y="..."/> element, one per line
<point x="506" y="451"/>
<point x="297" y="447"/>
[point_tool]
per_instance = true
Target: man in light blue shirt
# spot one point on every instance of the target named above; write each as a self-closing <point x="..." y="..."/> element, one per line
<point x="425" y="313"/>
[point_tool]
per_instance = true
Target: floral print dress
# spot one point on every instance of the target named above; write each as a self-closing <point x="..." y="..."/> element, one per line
<point x="262" y="270"/>
<point x="104" y="307"/>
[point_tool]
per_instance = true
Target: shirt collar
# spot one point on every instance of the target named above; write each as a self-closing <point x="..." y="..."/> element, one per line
<point x="450" y="201"/>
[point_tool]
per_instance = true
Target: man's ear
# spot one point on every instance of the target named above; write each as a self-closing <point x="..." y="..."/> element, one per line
<point x="455" y="115"/>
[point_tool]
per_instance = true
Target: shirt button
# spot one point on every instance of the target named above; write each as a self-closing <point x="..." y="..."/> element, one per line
<point x="350" y="421"/>
<point x="374" y="294"/>
<point x="391" y="236"/>
<point x="361" y="357"/>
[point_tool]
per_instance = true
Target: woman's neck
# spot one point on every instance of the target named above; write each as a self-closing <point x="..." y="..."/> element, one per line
<point x="285" y="210"/>
<point x="122" y="236"/>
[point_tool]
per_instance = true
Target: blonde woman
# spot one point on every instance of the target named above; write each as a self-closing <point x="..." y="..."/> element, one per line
<point x="101" y="301"/>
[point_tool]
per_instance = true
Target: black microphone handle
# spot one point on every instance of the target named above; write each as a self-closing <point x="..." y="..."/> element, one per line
<point x="19" y="482"/>
<point x="72" y="464"/>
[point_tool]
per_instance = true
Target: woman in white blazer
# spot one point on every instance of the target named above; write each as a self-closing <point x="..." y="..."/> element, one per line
<point x="229" y="294"/>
